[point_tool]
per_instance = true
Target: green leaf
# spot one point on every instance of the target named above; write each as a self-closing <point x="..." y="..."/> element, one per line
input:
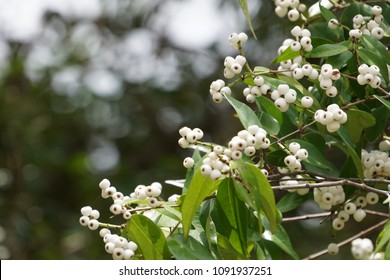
<point x="357" y="121"/>
<point x="351" y="151"/>
<point x="269" y="123"/>
<point x="290" y="201"/>
<point x="235" y="214"/>
<point x="246" y="115"/>
<point x="281" y="239"/>
<point x="286" y="55"/>
<point x="316" y="157"/>
<point x="326" y="13"/>
<point x="383" y="101"/>
<point x="276" y="158"/>
<point x="376" y="46"/>
<point x="244" y="7"/>
<point x="338" y="61"/>
<point x="187" y="249"/>
<point x="383" y="237"/>
<point x="327" y="50"/>
<point x="148" y="236"/>
<point x="264" y="103"/>
<point x="372" y="58"/>
<point x="382" y="116"/>
<point x="260" y="189"/>
<point x="352" y="10"/>
<point x="226" y="250"/>
<point x="199" y="188"/>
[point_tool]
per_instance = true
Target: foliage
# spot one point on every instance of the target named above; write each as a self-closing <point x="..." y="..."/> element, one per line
<point x="326" y="102"/>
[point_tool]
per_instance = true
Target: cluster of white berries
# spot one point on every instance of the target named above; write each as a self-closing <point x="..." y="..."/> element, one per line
<point x="291" y="8"/>
<point x="371" y="28"/>
<point x="259" y="89"/>
<point x="327" y="197"/>
<point x="237" y="39"/>
<point x="302" y="42"/>
<point x="369" y="75"/>
<point x="283" y="96"/>
<point x="293" y="161"/>
<point x="333" y="117"/>
<point x="119" y="247"/>
<point x="355" y="209"/>
<point x="216" y="164"/>
<point x="89" y="217"/>
<point x="376" y="163"/>
<point x="326" y="78"/>
<point x="217" y="89"/>
<point x="119" y="200"/>
<point x="233" y="66"/>
<point x="290" y="181"/>
<point x="189" y="136"/>
<point x="149" y="193"/>
<point x="362" y="249"/>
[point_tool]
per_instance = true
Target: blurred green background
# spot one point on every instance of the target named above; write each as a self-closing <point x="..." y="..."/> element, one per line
<point x="98" y="89"/>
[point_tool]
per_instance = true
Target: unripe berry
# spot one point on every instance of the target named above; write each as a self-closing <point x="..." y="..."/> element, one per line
<point x="117" y="254"/>
<point x="259" y="81"/>
<point x="307" y="101"/>
<point x="281" y="104"/>
<point x="280" y="11"/>
<point x="361" y="201"/>
<point x="333" y="126"/>
<point x="188" y="162"/>
<point x="93" y="224"/>
<point x="343" y="215"/>
<point x="95" y="214"/>
<point x="294" y="147"/>
<point x="84" y="220"/>
<point x="86" y="210"/>
<point x="372" y="198"/>
<point x="337" y="224"/>
<point x="293" y="15"/>
<point x="333" y="23"/>
<point x="376" y="10"/>
<point x="302" y="154"/>
<point x="104" y="184"/>
<point x="215" y="174"/>
<point x="109" y="247"/>
<point x="359" y="215"/>
<point x="183" y="142"/>
<point x="350" y="208"/>
<point x="333" y="249"/>
<point x="290" y="160"/>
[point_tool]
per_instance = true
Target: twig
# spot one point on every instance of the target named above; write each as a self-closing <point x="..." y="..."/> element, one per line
<point x="306" y="217"/>
<point x="346" y="241"/>
<point x="294" y="132"/>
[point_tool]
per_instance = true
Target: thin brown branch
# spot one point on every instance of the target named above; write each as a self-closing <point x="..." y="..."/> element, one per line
<point x="348" y="240"/>
<point x="306" y="217"/>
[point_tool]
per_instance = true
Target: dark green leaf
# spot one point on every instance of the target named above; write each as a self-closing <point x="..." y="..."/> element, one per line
<point x="372" y="58"/>
<point x="316" y="157"/>
<point x="327" y="50"/>
<point x="384" y="101"/>
<point x="338" y="61"/>
<point x="187" y="249"/>
<point x="382" y="116"/>
<point x="281" y="239"/>
<point x="148" y="236"/>
<point x="376" y="46"/>
<point x="276" y="158"/>
<point x="351" y="151"/>
<point x="290" y="201"/>
<point x="357" y="121"/>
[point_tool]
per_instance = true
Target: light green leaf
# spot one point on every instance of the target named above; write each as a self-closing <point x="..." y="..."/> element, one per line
<point x="327" y="50"/>
<point x="286" y="55"/>
<point x="383" y="238"/>
<point x="376" y="46"/>
<point x="260" y="189"/>
<point x="199" y="188"/>
<point x="244" y="7"/>
<point x="148" y="236"/>
<point x="246" y="115"/>
<point x="269" y="123"/>
<point x="187" y="249"/>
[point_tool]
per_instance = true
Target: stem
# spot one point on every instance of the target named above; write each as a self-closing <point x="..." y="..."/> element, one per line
<point x="306" y="217"/>
<point x="294" y="132"/>
<point x="348" y="240"/>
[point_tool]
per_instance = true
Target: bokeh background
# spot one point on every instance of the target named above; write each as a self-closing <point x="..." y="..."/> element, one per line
<point x="97" y="89"/>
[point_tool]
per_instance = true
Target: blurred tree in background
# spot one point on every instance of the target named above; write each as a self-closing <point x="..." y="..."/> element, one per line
<point x="100" y="90"/>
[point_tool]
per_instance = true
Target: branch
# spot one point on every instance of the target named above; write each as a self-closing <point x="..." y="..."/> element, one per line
<point x="346" y="241"/>
<point x="306" y="217"/>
